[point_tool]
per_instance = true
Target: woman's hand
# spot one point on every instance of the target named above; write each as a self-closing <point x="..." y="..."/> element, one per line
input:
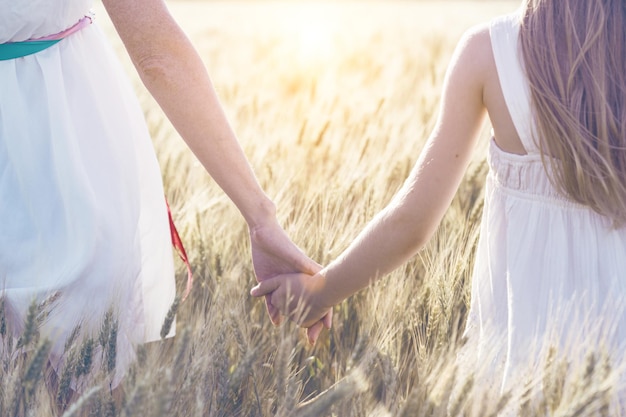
<point x="297" y="296"/>
<point x="274" y="254"/>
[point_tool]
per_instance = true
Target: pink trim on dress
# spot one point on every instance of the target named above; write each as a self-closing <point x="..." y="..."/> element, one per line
<point x="85" y="21"/>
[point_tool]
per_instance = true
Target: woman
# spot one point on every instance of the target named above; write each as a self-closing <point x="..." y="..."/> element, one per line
<point x="85" y="224"/>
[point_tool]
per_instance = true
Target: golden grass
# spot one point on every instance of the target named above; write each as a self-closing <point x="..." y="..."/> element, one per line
<point x="332" y="128"/>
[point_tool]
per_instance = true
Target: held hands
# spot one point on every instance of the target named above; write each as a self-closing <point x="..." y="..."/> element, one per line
<point x="297" y="296"/>
<point x="274" y="254"/>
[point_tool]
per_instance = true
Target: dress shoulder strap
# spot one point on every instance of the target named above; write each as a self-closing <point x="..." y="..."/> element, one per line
<point x="504" y="34"/>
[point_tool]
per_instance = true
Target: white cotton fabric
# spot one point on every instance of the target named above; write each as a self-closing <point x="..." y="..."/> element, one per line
<point x="83" y="219"/>
<point x="548" y="271"/>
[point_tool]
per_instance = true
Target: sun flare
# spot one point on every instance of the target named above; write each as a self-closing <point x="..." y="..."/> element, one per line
<point x="314" y="41"/>
<point x="312" y="35"/>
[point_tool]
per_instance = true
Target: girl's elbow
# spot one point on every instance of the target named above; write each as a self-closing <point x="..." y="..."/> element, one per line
<point x="417" y="232"/>
<point x="420" y="238"/>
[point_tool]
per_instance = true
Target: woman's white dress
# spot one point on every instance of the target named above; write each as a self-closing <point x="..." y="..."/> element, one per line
<point x="548" y="271"/>
<point x="83" y="221"/>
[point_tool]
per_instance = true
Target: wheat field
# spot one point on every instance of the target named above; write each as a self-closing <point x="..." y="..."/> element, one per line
<point x="332" y="102"/>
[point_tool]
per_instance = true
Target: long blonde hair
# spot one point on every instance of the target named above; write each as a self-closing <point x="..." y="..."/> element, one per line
<point x="575" y="58"/>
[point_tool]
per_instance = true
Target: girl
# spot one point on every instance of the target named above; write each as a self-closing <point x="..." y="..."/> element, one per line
<point x="84" y="221"/>
<point x="551" y="79"/>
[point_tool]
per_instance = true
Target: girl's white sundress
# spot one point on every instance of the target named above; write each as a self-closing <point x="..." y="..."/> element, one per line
<point x="548" y="271"/>
<point x="83" y="220"/>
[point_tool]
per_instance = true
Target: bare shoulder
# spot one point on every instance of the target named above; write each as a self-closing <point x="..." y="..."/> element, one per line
<point x="472" y="65"/>
<point x="474" y="50"/>
<point x="477" y="37"/>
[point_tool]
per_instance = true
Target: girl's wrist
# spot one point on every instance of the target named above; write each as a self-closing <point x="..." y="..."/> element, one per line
<point x="327" y="296"/>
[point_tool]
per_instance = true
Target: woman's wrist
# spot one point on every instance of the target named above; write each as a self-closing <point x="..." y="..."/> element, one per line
<point x="260" y="214"/>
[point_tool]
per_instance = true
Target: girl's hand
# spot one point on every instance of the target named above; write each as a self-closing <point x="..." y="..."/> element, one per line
<point x="273" y="253"/>
<point x="299" y="297"/>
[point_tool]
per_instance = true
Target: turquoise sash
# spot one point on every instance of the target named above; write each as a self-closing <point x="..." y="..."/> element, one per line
<point x="19" y="49"/>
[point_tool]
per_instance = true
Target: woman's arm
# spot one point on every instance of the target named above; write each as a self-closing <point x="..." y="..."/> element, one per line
<point x="415" y="212"/>
<point x="174" y="74"/>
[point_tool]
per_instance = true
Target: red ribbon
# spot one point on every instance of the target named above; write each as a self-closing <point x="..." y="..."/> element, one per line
<point x="178" y="244"/>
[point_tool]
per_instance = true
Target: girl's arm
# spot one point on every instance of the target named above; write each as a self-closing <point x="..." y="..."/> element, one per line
<point x="174" y="74"/>
<point x="409" y="221"/>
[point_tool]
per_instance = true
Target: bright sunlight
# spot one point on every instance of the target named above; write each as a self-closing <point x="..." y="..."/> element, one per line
<point x="312" y="32"/>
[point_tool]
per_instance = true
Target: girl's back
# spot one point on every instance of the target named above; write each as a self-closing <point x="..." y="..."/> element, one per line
<point x="552" y="254"/>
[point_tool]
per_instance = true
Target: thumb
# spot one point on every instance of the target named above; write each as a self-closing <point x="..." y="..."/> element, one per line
<point x="307" y="265"/>
<point x="265" y="287"/>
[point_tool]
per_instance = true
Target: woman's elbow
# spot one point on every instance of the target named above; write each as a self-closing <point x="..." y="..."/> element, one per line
<point x="153" y="68"/>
